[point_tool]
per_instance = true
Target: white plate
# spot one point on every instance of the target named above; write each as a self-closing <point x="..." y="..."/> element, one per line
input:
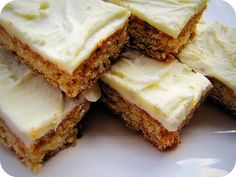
<point x="109" y="149"/>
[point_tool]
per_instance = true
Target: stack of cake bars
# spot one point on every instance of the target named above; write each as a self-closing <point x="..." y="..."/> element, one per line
<point x="67" y="45"/>
<point x="53" y="52"/>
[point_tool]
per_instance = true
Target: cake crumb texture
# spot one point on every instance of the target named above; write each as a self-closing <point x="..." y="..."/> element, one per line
<point x="138" y="120"/>
<point x="84" y="77"/>
<point x="156" y="44"/>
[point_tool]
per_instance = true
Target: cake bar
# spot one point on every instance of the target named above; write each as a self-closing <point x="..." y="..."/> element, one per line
<point x="153" y="97"/>
<point x="36" y="119"/>
<point x="160" y="29"/>
<point x="70" y="42"/>
<point x="213" y="53"/>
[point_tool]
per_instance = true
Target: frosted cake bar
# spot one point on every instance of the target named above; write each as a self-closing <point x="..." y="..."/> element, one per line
<point x="70" y="42"/>
<point x="36" y="119"/>
<point x="213" y="53"/>
<point x="161" y="28"/>
<point x="154" y="97"/>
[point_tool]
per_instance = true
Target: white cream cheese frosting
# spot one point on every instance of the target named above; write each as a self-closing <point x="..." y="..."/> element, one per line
<point x="168" y="16"/>
<point x="213" y="53"/>
<point x="166" y="91"/>
<point x="29" y="105"/>
<point x="93" y="94"/>
<point x="65" y="32"/>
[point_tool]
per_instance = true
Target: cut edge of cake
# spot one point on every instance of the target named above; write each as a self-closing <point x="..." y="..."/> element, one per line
<point x="139" y="120"/>
<point x="157" y="44"/>
<point x="223" y="95"/>
<point x="84" y="77"/>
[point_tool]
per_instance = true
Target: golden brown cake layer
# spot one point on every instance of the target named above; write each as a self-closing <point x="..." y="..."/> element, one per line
<point x="157" y="44"/>
<point x="34" y="156"/>
<point x="84" y="76"/>
<point x="223" y="95"/>
<point x="138" y="120"/>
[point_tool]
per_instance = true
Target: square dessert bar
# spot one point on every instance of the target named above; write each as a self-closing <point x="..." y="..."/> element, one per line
<point x="160" y="29"/>
<point x="70" y="42"/>
<point x="36" y="119"/>
<point x="153" y="97"/>
<point x="213" y="53"/>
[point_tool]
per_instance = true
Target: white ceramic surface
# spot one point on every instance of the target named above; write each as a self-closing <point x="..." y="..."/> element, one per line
<point x="109" y="149"/>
